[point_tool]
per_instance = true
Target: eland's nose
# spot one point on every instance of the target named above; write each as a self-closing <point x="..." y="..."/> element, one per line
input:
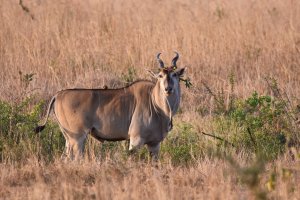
<point x="168" y="89"/>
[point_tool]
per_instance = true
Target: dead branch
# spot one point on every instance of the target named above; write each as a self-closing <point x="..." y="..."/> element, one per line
<point x="26" y="9"/>
<point x="251" y="137"/>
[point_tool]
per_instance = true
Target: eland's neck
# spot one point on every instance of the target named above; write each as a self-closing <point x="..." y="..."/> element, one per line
<point x="167" y="104"/>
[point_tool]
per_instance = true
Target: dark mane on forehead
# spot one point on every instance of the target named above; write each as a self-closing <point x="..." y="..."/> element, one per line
<point x="167" y="70"/>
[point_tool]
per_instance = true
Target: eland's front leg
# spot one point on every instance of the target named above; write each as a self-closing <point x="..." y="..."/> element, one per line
<point x="135" y="143"/>
<point x="154" y="150"/>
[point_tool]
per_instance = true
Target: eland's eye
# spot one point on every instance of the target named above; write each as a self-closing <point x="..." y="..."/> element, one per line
<point x="160" y="76"/>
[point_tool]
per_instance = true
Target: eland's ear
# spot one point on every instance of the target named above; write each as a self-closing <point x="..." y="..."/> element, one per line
<point x="181" y="71"/>
<point x="151" y="73"/>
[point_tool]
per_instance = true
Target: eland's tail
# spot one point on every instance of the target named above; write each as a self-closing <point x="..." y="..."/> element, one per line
<point x="50" y="106"/>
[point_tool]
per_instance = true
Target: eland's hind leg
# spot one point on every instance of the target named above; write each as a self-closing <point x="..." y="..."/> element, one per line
<point x="76" y="146"/>
<point x="66" y="153"/>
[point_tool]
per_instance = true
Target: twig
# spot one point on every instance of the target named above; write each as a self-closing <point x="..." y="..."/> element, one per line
<point x="51" y="143"/>
<point x="219" y="138"/>
<point x="251" y="137"/>
<point x="273" y="87"/>
<point x="26" y="9"/>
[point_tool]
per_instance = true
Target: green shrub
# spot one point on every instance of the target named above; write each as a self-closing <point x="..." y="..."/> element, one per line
<point x="182" y="144"/>
<point x="263" y="122"/>
<point x="17" y="139"/>
<point x="260" y="124"/>
<point x="257" y="124"/>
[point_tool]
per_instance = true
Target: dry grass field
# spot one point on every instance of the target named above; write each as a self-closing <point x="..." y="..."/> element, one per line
<point x="231" y="48"/>
<point x="207" y="179"/>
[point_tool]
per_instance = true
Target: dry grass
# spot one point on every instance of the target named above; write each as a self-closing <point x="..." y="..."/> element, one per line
<point x="73" y="43"/>
<point x="207" y="179"/>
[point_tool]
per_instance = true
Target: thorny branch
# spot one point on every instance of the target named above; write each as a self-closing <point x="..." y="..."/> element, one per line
<point x="219" y="138"/>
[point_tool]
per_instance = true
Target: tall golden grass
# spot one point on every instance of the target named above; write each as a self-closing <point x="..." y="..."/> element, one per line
<point x="207" y="179"/>
<point x="92" y="43"/>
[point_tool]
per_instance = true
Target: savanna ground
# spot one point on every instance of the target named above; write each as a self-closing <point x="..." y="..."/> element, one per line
<point x="243" y="59"/>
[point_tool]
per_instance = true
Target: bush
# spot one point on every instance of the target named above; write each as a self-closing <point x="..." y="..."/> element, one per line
<point x="17" y="139"/>
<point x="259" y="124"/>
